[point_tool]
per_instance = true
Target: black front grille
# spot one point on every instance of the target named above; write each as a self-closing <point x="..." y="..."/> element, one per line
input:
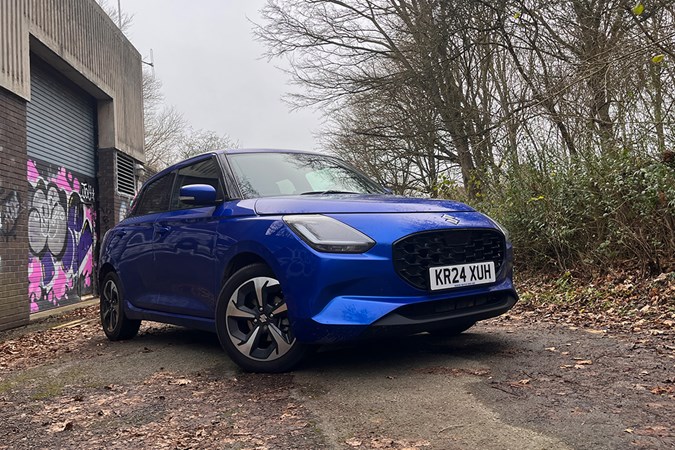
<point x="413" y="255"/>
<point x="452" y="307"/>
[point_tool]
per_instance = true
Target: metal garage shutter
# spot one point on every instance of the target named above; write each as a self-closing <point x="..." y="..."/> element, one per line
<point x="61" y="123"/>
<point x="61" y="174"/>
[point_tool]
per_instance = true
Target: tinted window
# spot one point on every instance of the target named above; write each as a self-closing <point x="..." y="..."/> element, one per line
<point x="155" y="197"/>
<point x="203" y="172"/>
<point x="272" y="174"/>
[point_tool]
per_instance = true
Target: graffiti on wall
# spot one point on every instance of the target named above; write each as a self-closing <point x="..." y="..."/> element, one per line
<point x="10" y="207"/>
<point x="61" y="235"/>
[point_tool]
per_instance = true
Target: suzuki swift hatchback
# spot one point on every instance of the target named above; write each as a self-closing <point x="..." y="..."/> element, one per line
<point x="278" y="250"/>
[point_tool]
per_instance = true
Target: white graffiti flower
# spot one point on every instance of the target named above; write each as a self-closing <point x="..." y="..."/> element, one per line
<point x="47" y="225"/>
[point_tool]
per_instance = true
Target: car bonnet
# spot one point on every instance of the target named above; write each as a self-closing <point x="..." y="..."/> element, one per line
<point x="345" y="204"/>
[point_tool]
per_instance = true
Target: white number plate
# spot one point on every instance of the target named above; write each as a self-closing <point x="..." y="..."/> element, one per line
<point x="447" y="277"/>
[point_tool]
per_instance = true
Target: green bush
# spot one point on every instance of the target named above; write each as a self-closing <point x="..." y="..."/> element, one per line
<point x="596" y="212"/>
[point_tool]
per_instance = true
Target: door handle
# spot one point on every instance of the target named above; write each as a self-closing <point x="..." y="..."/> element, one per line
<point x="161" y="230"/>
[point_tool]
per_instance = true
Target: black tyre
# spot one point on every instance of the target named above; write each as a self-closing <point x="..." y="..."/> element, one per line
<point x="252" y="322"/>
<point x="116" y="325"/>
<point x="454" y="329"/>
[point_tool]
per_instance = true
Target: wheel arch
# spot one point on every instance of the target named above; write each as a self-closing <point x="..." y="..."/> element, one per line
<point x="241" y="260"/>
<point x="103" y="271"/>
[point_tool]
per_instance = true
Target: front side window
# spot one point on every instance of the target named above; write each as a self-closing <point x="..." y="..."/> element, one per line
<point x="202" y="172"/>
<point x="155" y="197"/>
<point x="275" y="174"/>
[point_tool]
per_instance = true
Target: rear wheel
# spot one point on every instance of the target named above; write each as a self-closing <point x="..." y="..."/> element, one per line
<point x="253" y="324"/>
<point x="116" y="325"/>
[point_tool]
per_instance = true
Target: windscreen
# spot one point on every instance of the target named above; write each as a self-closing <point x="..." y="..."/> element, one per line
<point x="276" y="174"/>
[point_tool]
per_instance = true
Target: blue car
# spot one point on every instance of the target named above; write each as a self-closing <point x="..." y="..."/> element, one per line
<point x="278" y="251"/>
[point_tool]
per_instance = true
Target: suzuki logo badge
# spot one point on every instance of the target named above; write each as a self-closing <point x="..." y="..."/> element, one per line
<point x="451" y="219"/>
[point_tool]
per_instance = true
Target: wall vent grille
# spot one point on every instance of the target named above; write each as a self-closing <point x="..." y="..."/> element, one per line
<point x="126" y="178"/>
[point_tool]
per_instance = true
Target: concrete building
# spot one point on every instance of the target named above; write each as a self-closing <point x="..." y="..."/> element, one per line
<point x="71" y="146"/>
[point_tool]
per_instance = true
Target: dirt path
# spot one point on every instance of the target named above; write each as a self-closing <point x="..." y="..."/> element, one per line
<point x="506" y="384"/>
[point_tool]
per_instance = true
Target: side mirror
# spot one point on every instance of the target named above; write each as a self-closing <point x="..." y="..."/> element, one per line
<point x="198" y="194"/>
<point x="388" y="191"/>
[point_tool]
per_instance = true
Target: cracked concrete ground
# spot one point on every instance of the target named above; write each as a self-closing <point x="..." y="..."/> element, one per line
<point x="501" y="385"/>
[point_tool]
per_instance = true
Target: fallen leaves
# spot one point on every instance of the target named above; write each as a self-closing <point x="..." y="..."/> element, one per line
<point x="257" y="413"/>
<point x="596" y="331"/>
<point x="660" y="431"/>
<point x="663" y="390"/>
<point x="453" y="371"/>
<point x="73" y="331"/>
<point x="157" y="412"/>
<point x="387" y="443"/>
<point x="597" y="304"/>
<point x="581" y="364"/>
<point x="60" y="427"/>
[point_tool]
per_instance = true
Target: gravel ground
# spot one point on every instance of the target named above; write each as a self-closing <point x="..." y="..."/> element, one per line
<point x="510" y="383"/>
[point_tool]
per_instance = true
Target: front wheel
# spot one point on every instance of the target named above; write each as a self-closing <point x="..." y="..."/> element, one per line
<point x="116" y="325"/>
<point x="252" y="322"/>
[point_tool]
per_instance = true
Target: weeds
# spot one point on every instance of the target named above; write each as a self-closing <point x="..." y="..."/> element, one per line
<point x="593" y="214"/>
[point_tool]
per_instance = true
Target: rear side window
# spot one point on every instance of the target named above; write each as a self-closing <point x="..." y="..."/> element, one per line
<point x="155" y="197"/>
<point x="203" y="172"/>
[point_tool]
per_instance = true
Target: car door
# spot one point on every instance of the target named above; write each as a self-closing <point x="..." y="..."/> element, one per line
<point x="136" y="266"/>
<point x="185" y="242"/>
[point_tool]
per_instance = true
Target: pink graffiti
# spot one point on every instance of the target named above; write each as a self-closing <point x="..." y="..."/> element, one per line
<point x="34" y="289"/>
<point x="34" y="278"/>
<point x="86" y="268"/>
<point x="89" y="214"/>
<point x="62" y="182"/>
<point x="33" y="175"/>
<point x="58" y="273"/>
<point x="60" y="283"/>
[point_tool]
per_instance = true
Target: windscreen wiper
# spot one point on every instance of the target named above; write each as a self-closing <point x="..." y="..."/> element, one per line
<point x="329" y="191"/>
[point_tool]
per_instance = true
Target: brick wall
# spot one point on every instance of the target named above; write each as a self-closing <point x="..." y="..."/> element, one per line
<point x="106" y="190"/>
<point x="14" y="302"/>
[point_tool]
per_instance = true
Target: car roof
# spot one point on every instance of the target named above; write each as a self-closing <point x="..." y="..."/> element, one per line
<point x="234" y="151"/>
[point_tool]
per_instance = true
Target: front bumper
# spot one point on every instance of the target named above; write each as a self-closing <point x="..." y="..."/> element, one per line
<point x="341" y="297"/>
<point x="350" y="318"/>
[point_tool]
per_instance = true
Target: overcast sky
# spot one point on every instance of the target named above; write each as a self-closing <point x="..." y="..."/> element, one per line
<point x="213" y="72"/>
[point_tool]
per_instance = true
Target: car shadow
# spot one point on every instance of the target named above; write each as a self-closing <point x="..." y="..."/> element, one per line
<point x="397" y="352"/>
<point x="416" y="350"/>
<point x="175" y="335"/>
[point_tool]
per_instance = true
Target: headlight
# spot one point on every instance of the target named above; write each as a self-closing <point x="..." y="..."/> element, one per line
<point x="325" y="234"/>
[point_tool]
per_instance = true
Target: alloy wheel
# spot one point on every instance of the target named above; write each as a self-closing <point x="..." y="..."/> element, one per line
<point x="257" y="320"/>
<point x="110" y="306"/>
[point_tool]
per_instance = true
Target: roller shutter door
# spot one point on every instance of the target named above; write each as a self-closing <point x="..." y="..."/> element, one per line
<point x="61" y="174"/>
<point x="61" y="120"/>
